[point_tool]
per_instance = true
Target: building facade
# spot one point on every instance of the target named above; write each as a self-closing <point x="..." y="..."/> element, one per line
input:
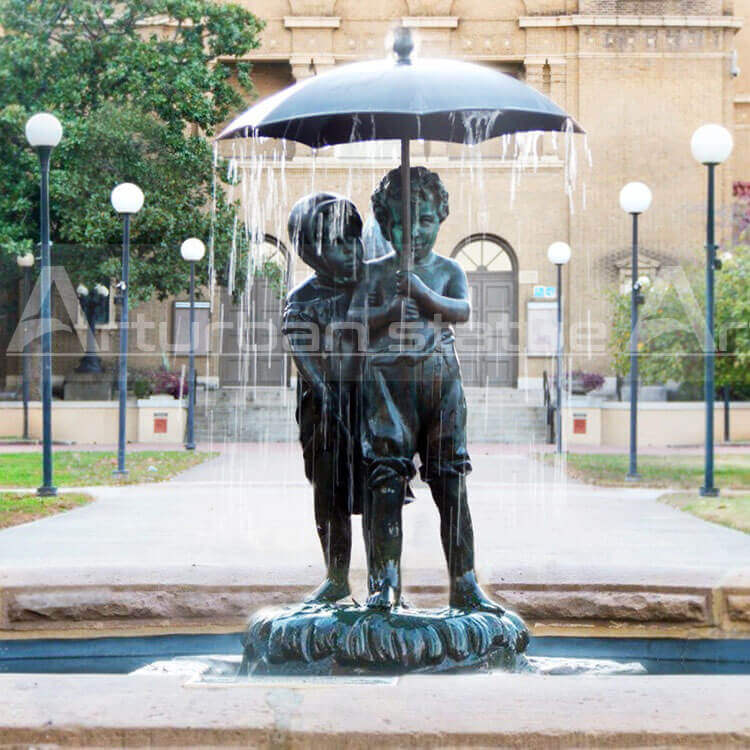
<point x="638" y="75"/>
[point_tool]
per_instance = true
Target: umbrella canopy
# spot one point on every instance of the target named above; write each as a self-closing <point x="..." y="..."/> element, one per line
<point x="404" y="99"/>
<point x="433" y="99"/>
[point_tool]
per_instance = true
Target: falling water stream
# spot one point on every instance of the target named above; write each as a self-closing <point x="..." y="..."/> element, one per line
<point x="265" y="177"/>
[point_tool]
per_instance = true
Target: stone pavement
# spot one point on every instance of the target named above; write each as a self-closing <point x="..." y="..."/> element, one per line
<point x="480" y="710"/>
<point x="237" y="532"/>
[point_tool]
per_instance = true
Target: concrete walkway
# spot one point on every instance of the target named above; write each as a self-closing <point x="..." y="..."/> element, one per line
<point x="252" y="506"/>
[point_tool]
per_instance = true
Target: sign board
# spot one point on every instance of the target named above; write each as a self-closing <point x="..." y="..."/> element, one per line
<point x="541" y="329"/>
<point x="544" y="292"/>
<point x="181" y="327"/>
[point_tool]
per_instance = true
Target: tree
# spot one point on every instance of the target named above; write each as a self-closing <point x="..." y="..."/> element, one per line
<point x="138" y="87"/>
<point x="672" y="327"/>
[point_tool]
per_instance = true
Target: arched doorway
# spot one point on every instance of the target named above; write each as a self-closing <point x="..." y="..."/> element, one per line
<point x="252" y="351"/>
<point x="488" y="344"/>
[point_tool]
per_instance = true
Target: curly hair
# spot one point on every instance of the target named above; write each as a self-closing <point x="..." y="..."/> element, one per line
<point x="424" y="183"/>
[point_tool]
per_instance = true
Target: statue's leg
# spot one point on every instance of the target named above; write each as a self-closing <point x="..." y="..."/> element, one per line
<point x="333" y="524"/>
<point x="445" y="464"/>
<point x="457" y="536"/>
<point x="389" y="426"/>
<point x="384" y="530"/>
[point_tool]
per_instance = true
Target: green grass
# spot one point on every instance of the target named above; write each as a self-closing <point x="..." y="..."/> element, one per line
<point x="16" y="507"/>
<point x="731" y="471"/>
<point x="728" y="510"/>
<point x="91" y="468"/>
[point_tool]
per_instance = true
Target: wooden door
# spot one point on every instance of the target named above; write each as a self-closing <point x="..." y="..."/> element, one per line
<point x="487" y="344"/>
<point x="252" y="351"/>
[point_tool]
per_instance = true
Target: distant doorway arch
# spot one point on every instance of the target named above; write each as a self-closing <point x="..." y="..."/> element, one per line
<point x="488" y="344"/>
<point x="252" y="351"/>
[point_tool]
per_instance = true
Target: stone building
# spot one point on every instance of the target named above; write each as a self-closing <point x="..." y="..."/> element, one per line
<point x="638" y="75"/>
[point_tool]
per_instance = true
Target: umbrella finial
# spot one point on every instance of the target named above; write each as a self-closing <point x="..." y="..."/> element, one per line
<point x="403" y="45"/>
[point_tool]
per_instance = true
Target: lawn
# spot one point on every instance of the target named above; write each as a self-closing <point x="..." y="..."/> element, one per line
<point x="728" y="510"/>
<point x="89" y="468"/>
<point x="16" y="507"/>
<point x="731" y="471"/>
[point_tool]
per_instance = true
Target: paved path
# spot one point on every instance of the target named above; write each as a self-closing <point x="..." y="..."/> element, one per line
<point x="251" y="508"/>
<point x="480" y="711"/>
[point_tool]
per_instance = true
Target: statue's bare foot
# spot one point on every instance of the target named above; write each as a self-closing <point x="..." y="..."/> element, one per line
<point x="331" y="590"/>
<point x="386" y="597"/>
<point x="466" y="593"/>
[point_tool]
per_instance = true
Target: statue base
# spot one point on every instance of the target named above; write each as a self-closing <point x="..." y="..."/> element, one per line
<point x="89" y="386"/>
<point x="327" y="639"/>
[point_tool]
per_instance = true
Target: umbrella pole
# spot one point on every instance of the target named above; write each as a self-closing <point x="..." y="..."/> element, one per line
<point x="405" y="206"/>
<point x="405" y="220"/>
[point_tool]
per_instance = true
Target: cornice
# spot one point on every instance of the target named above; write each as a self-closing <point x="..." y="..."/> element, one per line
<point x="725" y="22"/>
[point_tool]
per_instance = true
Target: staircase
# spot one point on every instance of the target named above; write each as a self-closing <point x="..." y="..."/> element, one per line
<point x="505" y="415"/>
<point x="266" y="414"/>
<point x="246" y="415"/>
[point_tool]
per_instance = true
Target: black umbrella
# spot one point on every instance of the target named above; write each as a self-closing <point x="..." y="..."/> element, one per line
<point x="401" y="99"/>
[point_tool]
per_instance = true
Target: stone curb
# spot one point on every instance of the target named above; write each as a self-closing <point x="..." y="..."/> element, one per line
<point x="479" y="710"/>
<point x="720" y="610"/>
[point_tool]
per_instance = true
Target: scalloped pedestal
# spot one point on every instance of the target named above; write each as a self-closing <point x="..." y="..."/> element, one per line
<point x="324" y="639"/>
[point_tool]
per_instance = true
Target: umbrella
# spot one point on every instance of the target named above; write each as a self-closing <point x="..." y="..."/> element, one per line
<point x="401" y="99"/>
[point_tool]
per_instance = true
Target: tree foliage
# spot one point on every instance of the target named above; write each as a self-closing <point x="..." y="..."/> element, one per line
<point x="672" y="326"/>
<point x="138" y="87"/>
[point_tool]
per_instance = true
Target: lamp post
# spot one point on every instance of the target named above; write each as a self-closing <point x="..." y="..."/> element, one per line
<point x="559" y="254"/>
<point x="192" y="250"/>
<point x="127" y="200"/>
<point x="710" y="145"/>
<point x="43" y="132"/>
<point x="25" y="262"/>
<point x="635" y="198"/>
<point x="91" y="303"/>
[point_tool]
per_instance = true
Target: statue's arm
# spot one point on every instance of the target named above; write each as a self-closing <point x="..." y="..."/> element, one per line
<point x="454" y="307"/>
<point x="366" y="308"/>
<point x="303" y="336"/>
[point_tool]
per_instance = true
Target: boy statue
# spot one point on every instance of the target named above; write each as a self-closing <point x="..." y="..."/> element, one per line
<point x="413" y="398"/>
<point x="325" y="230"/>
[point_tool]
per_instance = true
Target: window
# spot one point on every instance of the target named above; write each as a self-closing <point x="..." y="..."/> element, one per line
<point x="484" y="253"/>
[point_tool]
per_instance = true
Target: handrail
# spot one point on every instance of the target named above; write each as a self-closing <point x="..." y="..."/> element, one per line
<point x="549" y="408"/>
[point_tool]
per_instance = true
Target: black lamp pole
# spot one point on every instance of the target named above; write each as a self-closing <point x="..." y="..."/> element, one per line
<point x="558" y="377"/>
<point x="708" y="489"/>
<point x="192" y="250"/>
<point x="25" y="356"/>
<point x="635" y="300"/>
<point x="47" y="489"/>
<point x="122" y="298"/>
<point x="711" y="145"/>
<point x="190" y="437"/>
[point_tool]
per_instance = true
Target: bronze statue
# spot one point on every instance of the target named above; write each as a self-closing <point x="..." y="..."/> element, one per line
<point x="380" y="383"/>
<point x="413" y="397"/>
<point x="325" y="230"/>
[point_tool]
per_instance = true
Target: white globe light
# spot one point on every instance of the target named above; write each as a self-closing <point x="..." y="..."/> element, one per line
<point x="192" y="249"/>
<point x="25" y="261"/>
<point x="43" y="130"/>
<point x="127" y="198"/>
<point x="82" y="290"/>
<point x="711" y="144"/>
<point x="101" y="290"/>
<point x="558" y="253"/>
<point x="644" y="281"/>
<point x="635" y="198"/>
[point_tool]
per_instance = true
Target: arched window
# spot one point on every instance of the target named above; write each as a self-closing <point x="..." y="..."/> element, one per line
<point x="484" y="252"/>
<point x="268" y="254"/>
<point x="270" y="249"/>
